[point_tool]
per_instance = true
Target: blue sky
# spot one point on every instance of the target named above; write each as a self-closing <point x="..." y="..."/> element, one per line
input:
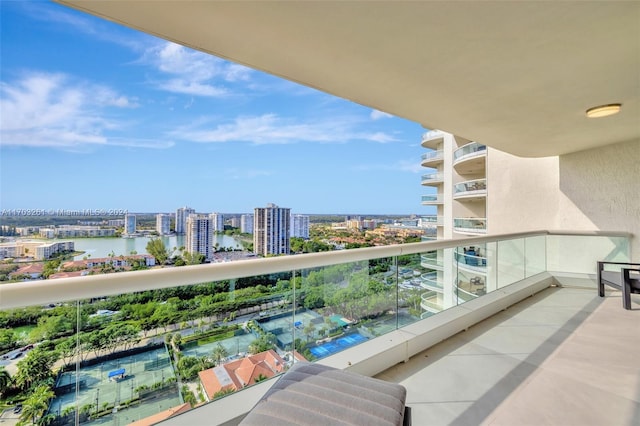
<point x="94" y="115"/>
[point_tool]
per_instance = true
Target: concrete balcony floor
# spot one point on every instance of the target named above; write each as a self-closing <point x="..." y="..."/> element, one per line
<point x="562" y="357"/>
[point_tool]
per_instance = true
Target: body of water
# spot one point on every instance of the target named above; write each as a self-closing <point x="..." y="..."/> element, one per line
<point x="101" y="247"/>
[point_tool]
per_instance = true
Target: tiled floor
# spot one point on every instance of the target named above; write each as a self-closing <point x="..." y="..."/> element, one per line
<point x="561" y="357"/>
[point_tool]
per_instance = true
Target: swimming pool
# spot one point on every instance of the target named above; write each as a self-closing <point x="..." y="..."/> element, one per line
<point x="337" y="345"/>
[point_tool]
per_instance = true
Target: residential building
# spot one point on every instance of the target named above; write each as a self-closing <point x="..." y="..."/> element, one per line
<point x="217" y="219"/>
<point x="117" y="223"/>
<point x="199" y="238"/>
<point x="234" y="221"/>
<point x="240" y="373"/>
<point x="36" y="249"/>
<point x="246" y="223"/>
<point x="163" y="223"/>
<point x="181" y="219"/>
<point x="271" y="230"/>
<point x="73" y="231"/>
<point x="129" y="224"/>
<point x="300" y="226"/>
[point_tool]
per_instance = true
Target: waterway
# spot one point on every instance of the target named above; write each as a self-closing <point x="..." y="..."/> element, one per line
<point x="102" y="247"/>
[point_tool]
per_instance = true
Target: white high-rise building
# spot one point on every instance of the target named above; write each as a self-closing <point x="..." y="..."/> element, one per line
<point x="218" y="222"/>
<point x="163" y="222"/>
<point x="246" y="223"/>
<point x="199" y="230"/>
<point x="300" y="226"/>
<point x="271" y="230"/>
<point x="129" y="224"/>
<point x="181" y="219"/>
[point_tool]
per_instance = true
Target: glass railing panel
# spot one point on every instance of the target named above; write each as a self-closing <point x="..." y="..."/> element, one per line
<point x="470" y="148"/>
<point x="535" y="255"/>
<point x="510" y="262"/>
<point x="432" y="177"/>
<point x="474" y="225"/>
<point x="469" y="186"/>
<point x="433" y="155"/>
<point x="580" y="253"/>
<point x="432" y="198"/>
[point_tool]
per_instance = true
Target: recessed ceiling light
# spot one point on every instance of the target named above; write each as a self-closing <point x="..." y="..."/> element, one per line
<point x="603" y="110"/>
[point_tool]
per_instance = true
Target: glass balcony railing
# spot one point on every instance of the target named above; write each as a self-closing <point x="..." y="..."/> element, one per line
<point x="432" y="260"/>
<point x="471" y="258"/>
<point x="432" y="178"/>
<point x="432" y="219"/>
<point x="432" y="199"/>
<point x="469" y="150"/>
<point x="470" y="189"/>
<point x="117" y="348"/>
<point x="432" y="139"/>
<point x="432" y="157"/>
<point x="470" y="225"/>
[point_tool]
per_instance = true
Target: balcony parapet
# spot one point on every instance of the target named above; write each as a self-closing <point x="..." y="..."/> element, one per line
<point x="470" y="225"/>
<point x="432" y="158"/>
<point x="432" y="199"/>
<point x="432" y="179"/>
<point x="470" y="158"/>
<point x="470" y="190"/>
<point x="432" y="138"/>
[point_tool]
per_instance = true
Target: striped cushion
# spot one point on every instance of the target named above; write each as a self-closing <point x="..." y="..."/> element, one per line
<point x="313" y="394"/>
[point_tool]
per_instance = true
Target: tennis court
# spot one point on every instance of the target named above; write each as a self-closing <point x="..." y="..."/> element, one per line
<point x="340" y="344"/>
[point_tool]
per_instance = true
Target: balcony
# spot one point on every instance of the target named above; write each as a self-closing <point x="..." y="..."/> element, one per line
<point x="201" y="301"/>
<point x="433" y="220"/>
<point x="432" y="139"/>
<point x="471" y="190"/>
<point x="470" y="260"/>
<point x="470" y="158"/>
<point x="470" y="225"/>
<point x="432" y="179"/>
<point x="428" y="200"/>
<point x="432" y="159"/>
<point x="431" y="260"/>
<point x="430" y="281"/>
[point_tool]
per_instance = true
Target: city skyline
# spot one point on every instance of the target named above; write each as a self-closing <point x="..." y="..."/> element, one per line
<point x="132" y="122"/>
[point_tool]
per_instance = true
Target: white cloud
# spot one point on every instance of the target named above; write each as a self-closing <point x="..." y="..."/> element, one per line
<point x="377" y="115"/>
<point x="192" y="72"/>
<point x="52" y="110"/>
<point x="271" y="129"/>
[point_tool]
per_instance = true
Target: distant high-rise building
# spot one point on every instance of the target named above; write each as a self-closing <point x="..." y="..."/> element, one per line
<point x="246" y="223"/>
<point x="181" y="219"/>
<point x="199" y="235"/>
<point x="129" y="224"/>
<point x="271" y="230"/>
<point x="234" y="221"/>
<point x="300" y="226"/>
<point x="163" y="222"/>
<point x="218" y="222"/>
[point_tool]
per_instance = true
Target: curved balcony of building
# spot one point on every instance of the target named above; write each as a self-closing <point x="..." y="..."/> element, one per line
<point x="471" y="190"/>
<point x="428" y="200"/>
<point x="470" y="158"/>
<point x="471" y="260"/>
<point x="432" y="159"/>
<point x="430" y="260"/>
<point x="432" y="179"/>
<point x="469" y="289"/>
<point x="433" y="220"/>
<point x="432" y="139"/>
<point x="470" y="225"/>
<point x="429" y="302"/>
<point x="431" y="282"/>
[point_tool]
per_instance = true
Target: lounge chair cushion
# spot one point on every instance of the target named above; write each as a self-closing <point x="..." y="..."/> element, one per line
<point x="312" y="394"/>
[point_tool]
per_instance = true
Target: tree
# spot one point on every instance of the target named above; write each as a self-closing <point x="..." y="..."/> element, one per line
<point x="263" y="343"/>
<point x="219" y="353"/>
<point x="5" y="380"/>
<point x="157" y="249"/>
<point x="195" y="258"/>
<point x="261" y="377"/>
<point x="35" y="369"/>
<point x="36" y="404"/>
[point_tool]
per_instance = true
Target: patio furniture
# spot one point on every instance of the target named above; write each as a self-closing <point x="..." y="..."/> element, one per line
<point x="627" y="280"/>
<point x="313" y="394"/>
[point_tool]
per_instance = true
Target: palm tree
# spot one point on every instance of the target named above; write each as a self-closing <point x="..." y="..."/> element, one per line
<point x="36" y="404"/>
<point x="219" y="353"/>
<point x="5" y="380"/>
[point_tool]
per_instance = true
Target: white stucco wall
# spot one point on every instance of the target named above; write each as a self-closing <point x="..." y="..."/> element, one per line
<point x="600" y="190"/>
<point x="522" y="193"/>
